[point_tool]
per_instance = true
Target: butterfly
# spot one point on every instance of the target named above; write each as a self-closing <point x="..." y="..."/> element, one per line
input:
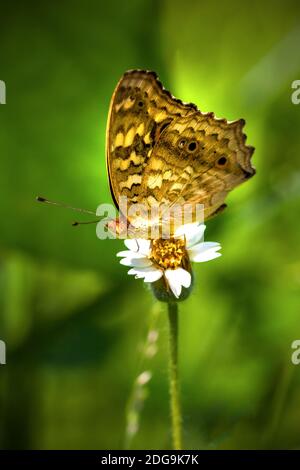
<point x="161" y="151"/>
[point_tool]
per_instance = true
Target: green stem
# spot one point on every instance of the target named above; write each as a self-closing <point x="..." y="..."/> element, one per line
<point x="173" y="377"/>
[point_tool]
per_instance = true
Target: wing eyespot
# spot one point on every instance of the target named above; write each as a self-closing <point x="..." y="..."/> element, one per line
<point x="181" y="143"/>
<point x="193" y="145"/>
<point x="221" y="162"/>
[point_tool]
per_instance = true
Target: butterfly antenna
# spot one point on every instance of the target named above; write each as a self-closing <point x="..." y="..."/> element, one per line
<point x="66" y="206"/>
<point x="76" y="222"/>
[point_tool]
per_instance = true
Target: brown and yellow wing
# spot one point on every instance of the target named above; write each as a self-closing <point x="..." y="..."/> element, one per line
<point x="163" y="151"/>
<point x="140" y="111"/>
<point x="198" y="159"/>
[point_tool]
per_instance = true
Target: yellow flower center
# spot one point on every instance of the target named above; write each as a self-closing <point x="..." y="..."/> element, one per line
<point x="169" y="253"/>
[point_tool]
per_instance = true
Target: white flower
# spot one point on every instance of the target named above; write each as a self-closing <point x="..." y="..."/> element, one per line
<point x="168" y="258"/>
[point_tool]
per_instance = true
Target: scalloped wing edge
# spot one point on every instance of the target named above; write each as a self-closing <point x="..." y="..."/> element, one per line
<point x="238" y="124"/>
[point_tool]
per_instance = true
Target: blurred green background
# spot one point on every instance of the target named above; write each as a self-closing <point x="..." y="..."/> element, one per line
<point x="73" y="321"/>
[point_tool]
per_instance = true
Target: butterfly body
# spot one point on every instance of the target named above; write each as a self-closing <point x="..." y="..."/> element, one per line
<point x="163" y="153"/>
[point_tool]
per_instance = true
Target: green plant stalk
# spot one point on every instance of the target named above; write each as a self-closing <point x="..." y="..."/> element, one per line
<point x="173" y="376"/>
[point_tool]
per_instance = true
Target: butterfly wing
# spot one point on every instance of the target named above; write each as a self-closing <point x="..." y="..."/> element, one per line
<point x="139" y="112"/>
<point x="197" y="160"/>
<point x="163" y="151"/>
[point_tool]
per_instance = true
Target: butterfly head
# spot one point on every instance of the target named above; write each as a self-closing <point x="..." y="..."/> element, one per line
<point x="118" y="227"/>
<point x="122" y="228"/>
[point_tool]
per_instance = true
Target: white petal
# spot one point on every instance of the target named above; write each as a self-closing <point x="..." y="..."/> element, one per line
<point x="206" y="252"/>
<point x="174" y="284"/>
<point x="131" y="244"/>
<point x="129" y="254"/>
<point x="184" y="277"/>
<point x="132" y="272"/>
<point x="138" y="245"/>
<point x="184" y="229"/>
<point x="150" y="274"/>
<point x="144" y="246"/>
<point x="136" y="262"/>
<point x="193" y="233"/>
<point x="138" y="272"/>
<point x="201" y="247"/>
<point x="153" y="275"/>
<point x="177" y="278"/>
<point x="207" y="256"/>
